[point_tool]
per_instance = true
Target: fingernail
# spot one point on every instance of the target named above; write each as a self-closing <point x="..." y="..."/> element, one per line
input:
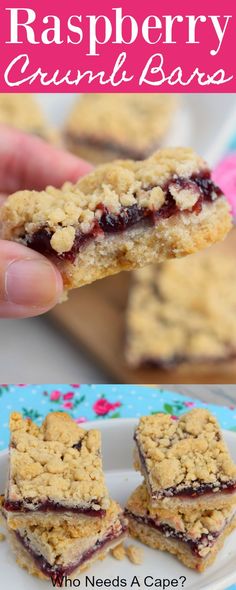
<point x="31" y="282"/>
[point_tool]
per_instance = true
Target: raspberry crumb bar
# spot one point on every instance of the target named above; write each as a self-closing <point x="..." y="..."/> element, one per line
<point x="122" y="216"/>
<point x="102" y="127"/>
<point x="52" y="551"/>
<point x="55" y="472"/>
<point x="170" y="323"/>
<point x="195" y="538"/>
<point x="185" y="462"/>
<point x="23" y="112"/>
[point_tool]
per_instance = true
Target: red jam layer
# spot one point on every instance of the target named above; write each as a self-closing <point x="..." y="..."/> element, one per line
<point x="207" y="540"/>
<point x="129" y="216"/>
<point x="202" y="489"/>
<point x="50" y="506"/>
<point x="116" y="148"/>
<point x="176" y="360"/>
<point x="57" y="571"/>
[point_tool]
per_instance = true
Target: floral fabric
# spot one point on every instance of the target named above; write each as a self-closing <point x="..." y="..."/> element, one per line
<point x="93" y="402"/>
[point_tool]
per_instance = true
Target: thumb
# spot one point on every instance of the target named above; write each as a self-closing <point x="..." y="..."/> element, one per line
<point x="29" y="283"/>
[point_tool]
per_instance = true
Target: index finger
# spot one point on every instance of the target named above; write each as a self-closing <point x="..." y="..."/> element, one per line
<point x="29" y="162"/>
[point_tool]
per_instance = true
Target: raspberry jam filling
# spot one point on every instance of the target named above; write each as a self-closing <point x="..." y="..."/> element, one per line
<point x="189" y="492"/>
<point x="116" y="148"/>
<point x="129" y="216"/>
<point x="175" y="360"/>
<point x="57" y="571"/>
<point x="205" y="540"/>
<point x="50" y="506"/>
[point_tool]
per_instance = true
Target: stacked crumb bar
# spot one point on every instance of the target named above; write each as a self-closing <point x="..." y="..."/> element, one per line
<point x="187" y="502"/>
<point x="56" y="508"/>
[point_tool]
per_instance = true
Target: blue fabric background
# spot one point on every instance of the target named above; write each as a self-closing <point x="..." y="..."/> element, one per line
<point x="92" y="402"/>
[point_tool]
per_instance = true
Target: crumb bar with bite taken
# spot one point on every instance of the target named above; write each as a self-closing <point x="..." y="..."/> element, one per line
<point x="121" y="216"/>
<point x="183" y="311"/>
<point x="185" y="462"/>
<point x="52" y="551"/>
<point x="102" y="127"/>
<point x="194" y="538"/>
<point x="55" y="470"/>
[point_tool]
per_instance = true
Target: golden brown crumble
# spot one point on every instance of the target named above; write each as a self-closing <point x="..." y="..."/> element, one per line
<point x="134" y="554"/>
<point x="183" y="453"/>
<point x="193" y="524"/>
<point x="126" y="121"/>
<point x="119" y="552"/>
<point x="114" y="185"/>
<point x="206" y="533"/>
<point x="183" y="310"/>
<point x="64" y="544"/>
<point x="2" y="537"/>
<point x="20" y="110"/>
<point x="58" y="461"/>
<point x="23" y="112"/>
<point x="61" y="535"/>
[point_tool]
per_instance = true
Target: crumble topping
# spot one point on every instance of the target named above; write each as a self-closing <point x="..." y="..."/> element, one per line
<point x="2" y="537"/>
<point x="184" y="453"/>
<point x="58" y="461"/>
<point x="127" y="120"/>
<point x="119" y="552"/>
<point x="20" y="110"/>
<point x="183" y="310"/>
<point x="58" y="537"/>
<point x="194" y="524"/>
<point x="183" y="195"/>
<point x="108" y="188"/>
<point x="134" y="554"/>
<point x="23" y="112"/>
<point x="63" y="239"/>
<point x="62" y="554"/>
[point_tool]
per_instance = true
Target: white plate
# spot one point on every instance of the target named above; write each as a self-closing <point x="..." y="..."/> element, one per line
<point x="121" y="480"/>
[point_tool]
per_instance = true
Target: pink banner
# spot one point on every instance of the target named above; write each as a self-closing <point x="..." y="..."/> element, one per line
<point x="117" y="46"/>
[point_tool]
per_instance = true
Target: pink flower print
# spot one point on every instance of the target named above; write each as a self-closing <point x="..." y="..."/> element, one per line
<point x="81" y="420"/>
<point x="75" y="385"/>
<point x="189" y="404"/>
<point x="102" y="406"/>
<point x="68" y="395"/>
<point x="68" y="405"/>
<point x="174" y="417"/>
<point x="115" y="405"/>
<point x="55" y="395"/>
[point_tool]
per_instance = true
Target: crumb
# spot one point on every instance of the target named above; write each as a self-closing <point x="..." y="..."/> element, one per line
<point x="119" y="552"/>
<point x="2" y="537"/>
<point x="134" y="554"/>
